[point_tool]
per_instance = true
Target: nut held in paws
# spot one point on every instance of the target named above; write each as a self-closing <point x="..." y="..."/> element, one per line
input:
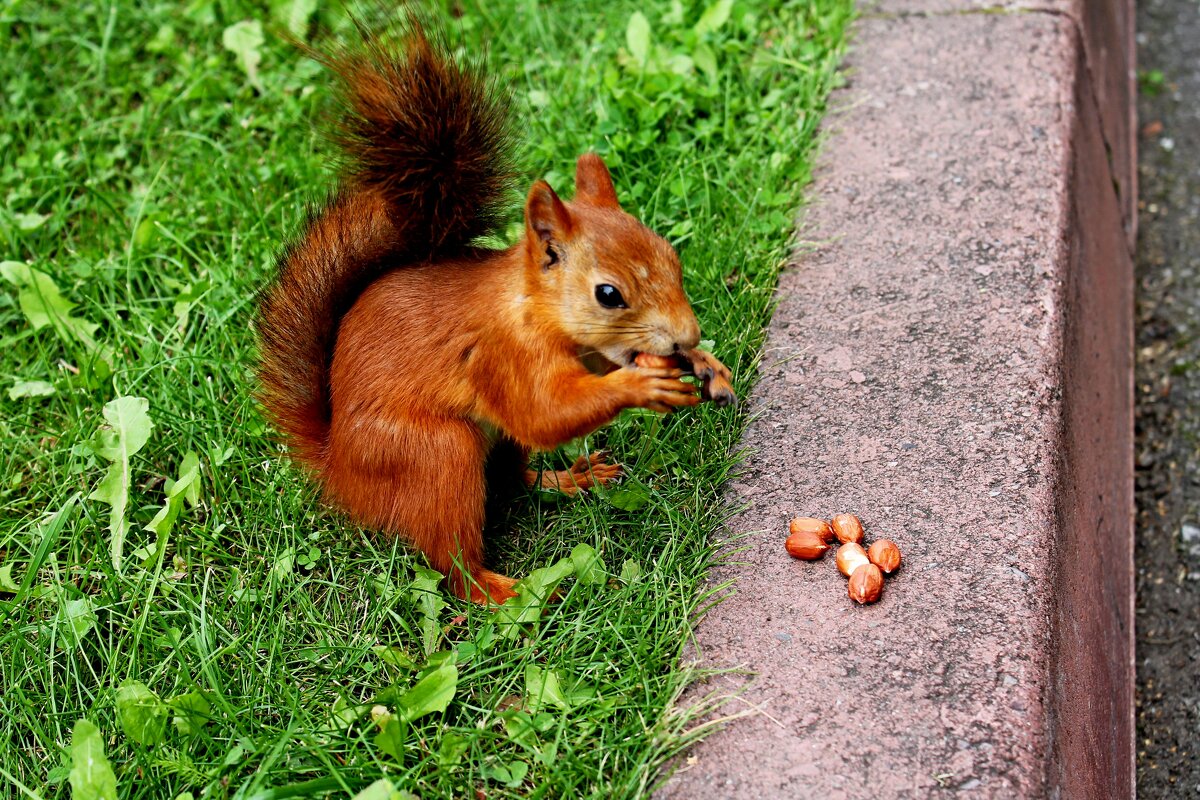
<point x="657" y="362"/>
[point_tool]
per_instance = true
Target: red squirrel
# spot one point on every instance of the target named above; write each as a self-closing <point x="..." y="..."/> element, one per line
<point x="396" y="355"/>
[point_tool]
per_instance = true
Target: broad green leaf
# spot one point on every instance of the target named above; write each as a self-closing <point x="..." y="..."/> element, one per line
<point x="451" y="749"/>
<point x="542" y="688"/>
<point x="284" y="566"/>
<point x="164" y="520"/>
<point x="485" y="638"/>
<point x="637" y="38"/>
<point x="629" y="498"/>
<point x="464" y="652"/>
<point x="431" y="695"/>
<point x="7" y="584"/>
<point x="248" y="595"/>
<point x="379" y="790"/>
<point x="169" y="640"/>
<point x="163" y="40"/>
<point x="145" y="233"/>
<point x="91" y="775"/>
<point x="576" y="449"/>
<point x="548" y="754"/>
<point x="542" y="582"/>
<point x="705" y="60"/>
<point x="520" y="728"/>
<point x="143" y="716"/>
<point x="382" y="789"/>
<point x="307" y="559"/>
<point x="582" y="693"/>
<point x="438" y="659"/>
<point x="680" y="64"/>
<point x="394" y="656"/>
<point x="714" y="17"/>
<point x="188" y="296"/>
<point x="30" y="222"/>
<point x="630" y="571"/>
<point x="43" y="304"/>
<point x="511" y="775"/>
<point x="295" y="14"/>
<point x="383" y="586"/>
<point x="497" y="772"/>
<point x="392" y="737"/>
<point x="192" y="711"/>
<point x="191" y="491"/>
<point x="76" y="619"/>
<point x="244" y="39"/>
<point x="533" y="592"/>
<point x="30" y="389"/>
<point x="589" y="568"/>
<point x="342" y="715"/>
<point x="177" y="493"/>
<point x="128" y="428"/>
<point x="127" y="431"/>
<point x="424" y="590"/>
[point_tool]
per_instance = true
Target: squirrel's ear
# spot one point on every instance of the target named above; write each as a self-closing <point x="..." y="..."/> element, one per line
<point x="545" y="215"/>
<point x="593" y="184"/>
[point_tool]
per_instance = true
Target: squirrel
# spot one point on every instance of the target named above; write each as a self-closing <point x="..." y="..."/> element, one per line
<point x="397" y="357"/>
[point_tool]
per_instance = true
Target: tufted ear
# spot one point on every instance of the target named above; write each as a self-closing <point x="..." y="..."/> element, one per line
<point x="545" y="215"/>
<point x="593" y="184"/>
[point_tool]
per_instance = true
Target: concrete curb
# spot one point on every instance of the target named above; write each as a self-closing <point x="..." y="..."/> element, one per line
<point x="953" y="362"/>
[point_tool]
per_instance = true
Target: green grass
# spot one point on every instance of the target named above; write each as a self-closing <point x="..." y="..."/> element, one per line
<point x="152" y="182"/>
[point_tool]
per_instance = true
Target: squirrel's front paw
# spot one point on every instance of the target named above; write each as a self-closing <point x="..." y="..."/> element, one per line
<point x="716" y="380"/>
<point x="656" y="388"/>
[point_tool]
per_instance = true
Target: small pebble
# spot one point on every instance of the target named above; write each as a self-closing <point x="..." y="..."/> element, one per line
<point x="1021" y="575"/>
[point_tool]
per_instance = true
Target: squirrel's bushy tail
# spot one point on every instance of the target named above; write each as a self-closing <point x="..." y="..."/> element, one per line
<point x="427" y="145"/>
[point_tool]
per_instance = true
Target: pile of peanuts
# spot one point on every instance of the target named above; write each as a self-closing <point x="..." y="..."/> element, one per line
<point x="811" y="537"/>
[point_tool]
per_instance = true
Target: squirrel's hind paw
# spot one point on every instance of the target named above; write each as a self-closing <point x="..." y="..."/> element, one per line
<point x="586" y="472"/>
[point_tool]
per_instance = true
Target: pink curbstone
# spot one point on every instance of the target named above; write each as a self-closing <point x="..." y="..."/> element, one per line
<point x="951" y="360"/>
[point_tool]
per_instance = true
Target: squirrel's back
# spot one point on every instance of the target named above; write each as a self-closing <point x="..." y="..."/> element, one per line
<point x="426" y="145"/>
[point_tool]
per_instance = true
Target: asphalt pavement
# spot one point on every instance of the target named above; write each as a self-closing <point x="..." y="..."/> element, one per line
<point x="1168" y="398"/>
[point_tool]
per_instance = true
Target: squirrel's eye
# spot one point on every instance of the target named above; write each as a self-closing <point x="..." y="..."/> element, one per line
<point x="608" y="296"/>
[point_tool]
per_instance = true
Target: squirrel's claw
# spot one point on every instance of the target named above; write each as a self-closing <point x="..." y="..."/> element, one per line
<point x="715" y="377"/>
<point x="585" y="473"/>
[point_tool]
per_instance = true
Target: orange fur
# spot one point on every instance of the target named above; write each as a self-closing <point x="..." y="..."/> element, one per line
<point x="394" y="355"/>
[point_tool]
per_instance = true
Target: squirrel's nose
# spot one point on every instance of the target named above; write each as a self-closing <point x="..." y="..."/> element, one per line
<point x="689" y="338"/>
